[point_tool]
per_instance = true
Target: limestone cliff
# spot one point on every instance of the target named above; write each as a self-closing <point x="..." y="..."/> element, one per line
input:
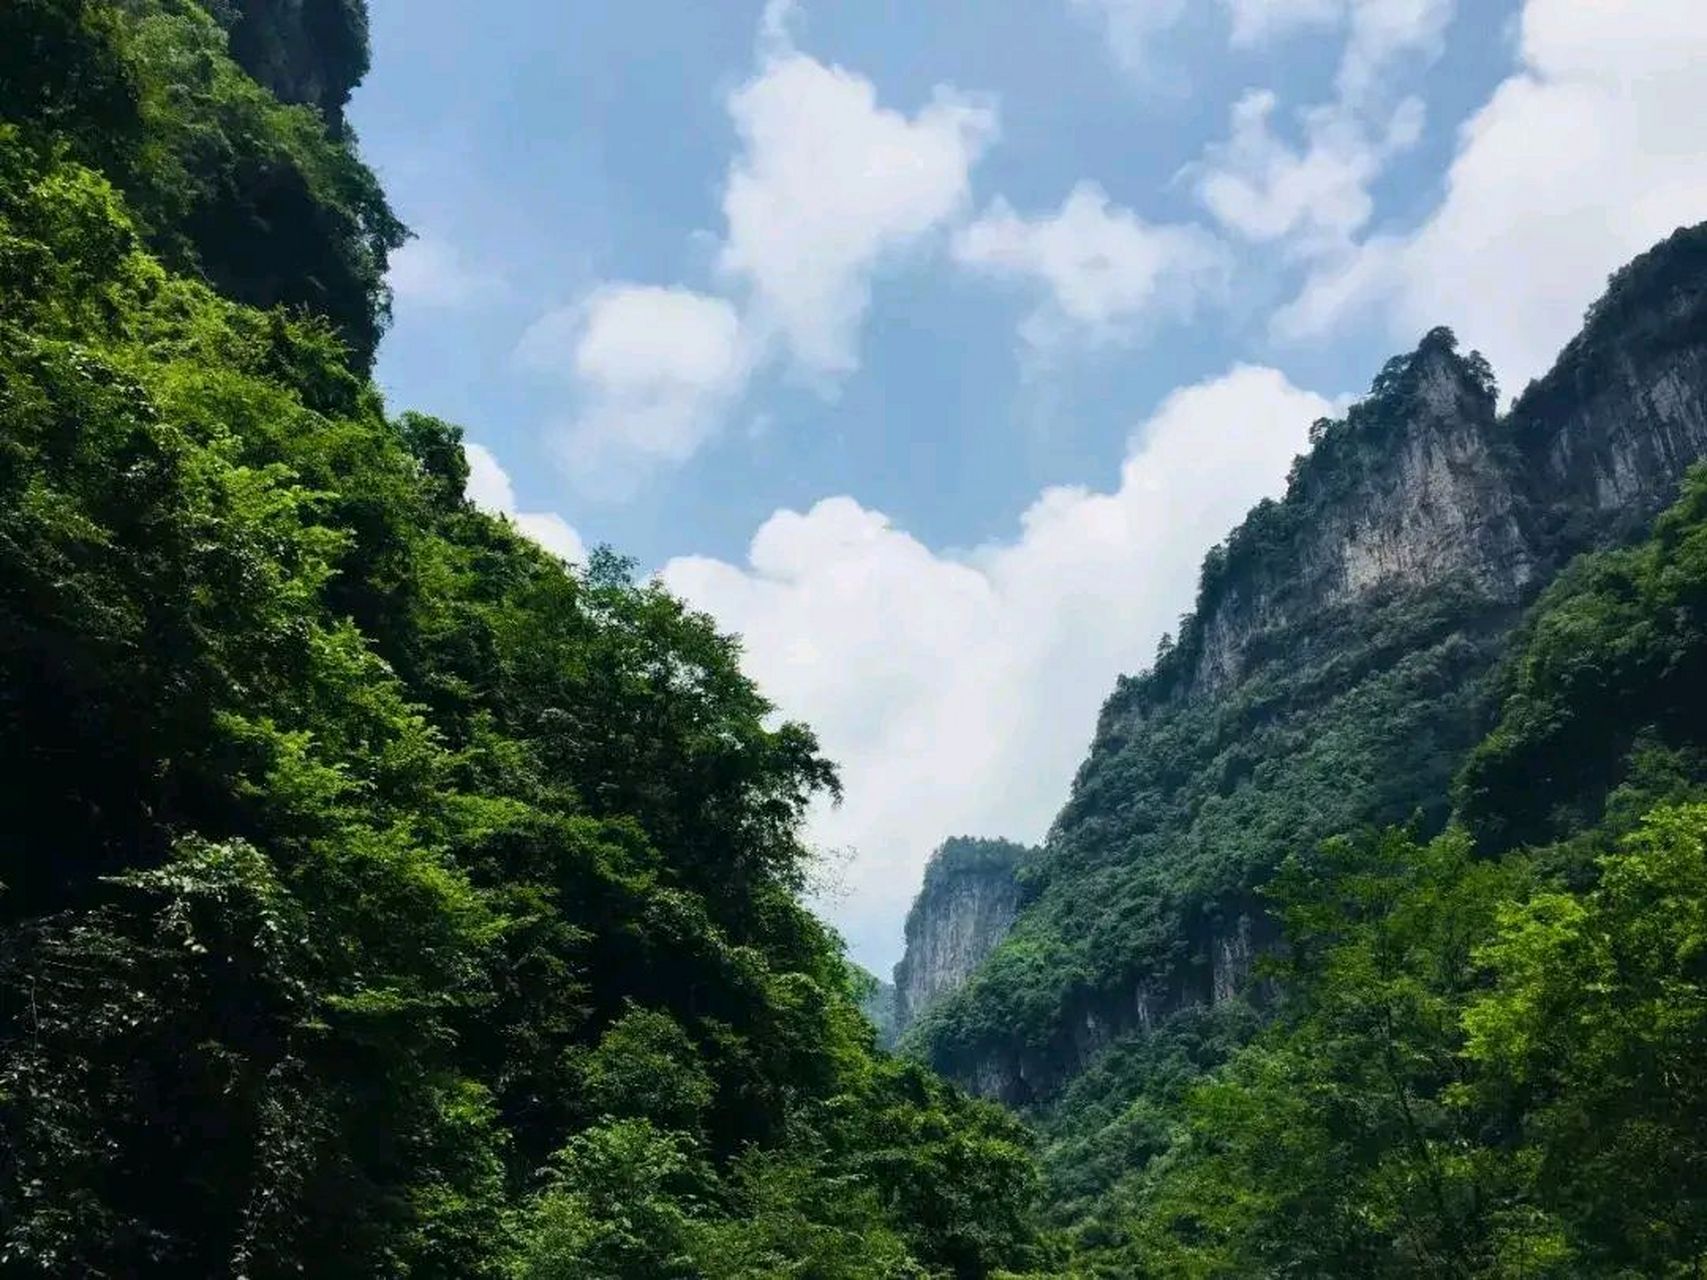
<point x="1621" y="415"/>
<point x="1430" y="483"/>
<point x="1332" y="673"/>
<point x="968" y="901"/>
<point x="312" y="52"/>
<point x="1417" y="491"/>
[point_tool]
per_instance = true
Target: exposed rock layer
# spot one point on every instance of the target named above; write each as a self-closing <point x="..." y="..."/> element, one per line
<point x="1406" y="547"/>
<point x="964" y="910"/>
<point x="312" y="52"/>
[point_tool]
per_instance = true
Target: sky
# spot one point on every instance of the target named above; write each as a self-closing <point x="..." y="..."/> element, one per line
<point x="929" y="345"/>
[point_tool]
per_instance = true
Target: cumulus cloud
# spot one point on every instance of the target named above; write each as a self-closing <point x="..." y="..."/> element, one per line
<point x="431" y="272"/>
<point x="1263" y="189"/>
<point x="1586" y="156"/>
<point x="489" y="488"/>
<point x="653" y="370"/>
<point x="959" y="691"/>
<point x="827" y="184"/>
<point x="1101" y="267"/>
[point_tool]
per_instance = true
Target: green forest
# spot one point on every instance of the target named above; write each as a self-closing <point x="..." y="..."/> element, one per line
<point x="1488" y="1055"/>
<point x="382" y="896"/>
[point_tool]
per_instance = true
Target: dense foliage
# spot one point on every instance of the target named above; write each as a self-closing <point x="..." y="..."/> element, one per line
<point x="1487" y="1051"/>
<point x="1352" y="714"/>
<point x="381" y="896"/>
<point x="222" y="180"/>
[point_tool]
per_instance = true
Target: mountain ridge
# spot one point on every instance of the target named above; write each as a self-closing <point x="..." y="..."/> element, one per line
<point x="1409" y="540"/>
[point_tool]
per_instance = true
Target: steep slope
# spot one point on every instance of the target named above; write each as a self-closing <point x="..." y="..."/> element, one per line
<point x="379" y="895"/>
<point x="226" y="183"/>
<point x="1331" y="676"/>
<point x="964" y="910"/>
<point x="1487" y="1057"/>
<point x="308" y="52"/>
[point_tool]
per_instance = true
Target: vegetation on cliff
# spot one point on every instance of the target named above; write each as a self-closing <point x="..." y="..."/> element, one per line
<point x="1424" y="741"/>
<point x="381" y="895"/>
<point x="1488" y="1054"/>
<point x="223" y="181"/>
<point x="1350" y="714"/>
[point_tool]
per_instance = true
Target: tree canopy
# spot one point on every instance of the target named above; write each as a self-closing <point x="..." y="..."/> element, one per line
<point x="381" y="895"/>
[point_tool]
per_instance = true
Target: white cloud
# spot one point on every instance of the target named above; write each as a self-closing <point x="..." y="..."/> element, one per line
<point x="432" y="272"/>
<point x="1131" y="26"/>
<point x="959" y="692"/>
<point x="1382" y="33"/>
<point x="1587" y="155"/>
<point x="1315" y="195"/>
<point x="1261" y="188"/>
<point x="1255" y="21"/>
<point x="490" y="489"/>
<point x="636" y="335"/>
<point x="1379" y="31"/>
<point x="1100" y="265"/>
<point x="1351" y="283"/>
<point x="554" y="533"/>
<point x="827" y="185"/>
<point x="653" y="368"/>
<point x="776" y="27"/>
<point x="488" y="486"/>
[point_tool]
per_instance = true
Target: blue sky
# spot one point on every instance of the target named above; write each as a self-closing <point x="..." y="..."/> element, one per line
<point x="929" y="345"/>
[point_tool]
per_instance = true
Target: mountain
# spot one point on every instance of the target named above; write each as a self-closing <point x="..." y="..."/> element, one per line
<point x="379" y="894"/>
<point x="382" y="896"/>
<point x="1482" y="1052"/>
<point x="1339" y="667"/>
<point x="1333" y="673"/>
<point x="964" y="910"/>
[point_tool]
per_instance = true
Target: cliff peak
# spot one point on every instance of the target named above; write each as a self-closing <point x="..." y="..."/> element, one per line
<point x="1334" y="670"/>
<point x="310" y="52"/>
<point x="1416" y="483"/>
<point x="965" y="907"/>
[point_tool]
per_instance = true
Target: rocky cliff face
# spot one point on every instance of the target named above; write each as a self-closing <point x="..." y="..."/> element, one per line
<point x="312" y="52"/>
<point x="967" y="904"/>
<point x="1425" y="482"/>
<point x="1621" y="415"/>
<point x="1333" y="671"/>
<point x="1380" y="504"/>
